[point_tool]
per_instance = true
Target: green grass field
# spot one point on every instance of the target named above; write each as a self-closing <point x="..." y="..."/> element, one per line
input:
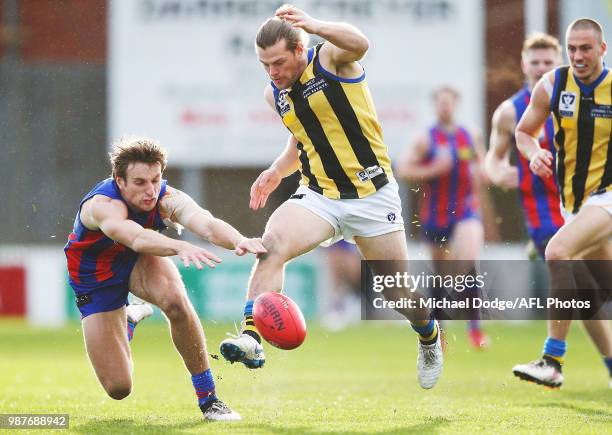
<point x="359" y="380"/>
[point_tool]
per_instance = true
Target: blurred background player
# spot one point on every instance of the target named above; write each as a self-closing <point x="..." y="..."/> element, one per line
<point x="116" y="248"/>
<point x="539" y="196"/>
<point x="347" y="187"/>
<point x="446" y="163"/>
<point x="579" y="98"/>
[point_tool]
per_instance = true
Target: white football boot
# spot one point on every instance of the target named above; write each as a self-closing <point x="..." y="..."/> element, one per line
<point x="216" y="410"/>
<point x="245" y="349"/>
<point x="544" y="371"/>
<point x="430" y="361"/>
<point x="138" y="311"/>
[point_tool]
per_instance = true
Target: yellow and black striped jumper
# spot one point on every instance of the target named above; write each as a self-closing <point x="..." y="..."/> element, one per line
<point x="582" y="117"/>
<point x="341" y="149"/>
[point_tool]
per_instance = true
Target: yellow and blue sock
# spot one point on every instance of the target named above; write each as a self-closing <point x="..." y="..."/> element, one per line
<point x="248" y="324"/>
<point x="555" y="349"/>
<point x="204" y="385"/>
<point x="428" y="334"/>
<point x="608" y="363"/>
<point x="130" y="329"/>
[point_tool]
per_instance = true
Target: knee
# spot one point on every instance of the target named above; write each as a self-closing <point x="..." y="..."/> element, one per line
<point x="277" y="251"/>
<point x="175" y="306"/>
<point x="557" y="251"/>
<point x="118" y="390"/>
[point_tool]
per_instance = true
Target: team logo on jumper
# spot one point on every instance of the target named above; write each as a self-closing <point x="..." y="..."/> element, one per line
<point x="282" y="103"/>
<point x="391" y="217"/>
<point x="369" y="173"/>
<point x="313" y="85"/>
<point x="567" y="104"/>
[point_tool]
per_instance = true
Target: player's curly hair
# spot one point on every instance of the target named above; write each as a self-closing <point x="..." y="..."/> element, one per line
<point x="275" y="29"/>
<point x="132" y="149"/>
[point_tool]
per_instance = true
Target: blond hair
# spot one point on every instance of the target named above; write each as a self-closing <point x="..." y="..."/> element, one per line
<point x="539" y="40"/>
<point x="133" y="149"/>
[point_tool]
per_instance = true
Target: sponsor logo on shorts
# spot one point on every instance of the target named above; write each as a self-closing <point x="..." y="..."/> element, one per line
<point x="297" y="196"/>
<point x="369" y="173"/>
<point x="391" y="217"/>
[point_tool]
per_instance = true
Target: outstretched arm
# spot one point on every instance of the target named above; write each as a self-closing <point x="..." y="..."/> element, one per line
<point x="181" y="208"/>
<point x="267" y="182"/>
<point x="528" y="128"/>
<point x="497" y="160"/>
<point x="479" y="175"/>
<point x="284" y="165"/>
<point x="111" y="217"/>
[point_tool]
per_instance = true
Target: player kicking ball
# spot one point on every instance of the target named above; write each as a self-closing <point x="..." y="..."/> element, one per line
<point x="347" y="189"/>
<point x="116" y="249"/>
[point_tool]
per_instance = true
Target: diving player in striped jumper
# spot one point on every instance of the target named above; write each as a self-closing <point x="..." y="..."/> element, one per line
<point x="347" y="186"/>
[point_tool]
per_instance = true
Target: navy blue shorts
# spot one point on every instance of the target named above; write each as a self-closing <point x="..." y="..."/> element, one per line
<point x="102" y="299"/>
<point x="540" y="238"/>
<point x="439" y="235"/>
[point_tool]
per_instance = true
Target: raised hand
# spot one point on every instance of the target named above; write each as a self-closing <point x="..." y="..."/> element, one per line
<point x="298" y="18"/>
<point x="263" y="186"/>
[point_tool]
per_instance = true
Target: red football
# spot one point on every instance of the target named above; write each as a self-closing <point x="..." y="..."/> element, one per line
<point x="279" y="320"/>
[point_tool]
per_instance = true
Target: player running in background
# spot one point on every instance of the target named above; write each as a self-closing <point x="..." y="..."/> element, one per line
<point x="446" y="162"/>
<point x="116" y="248"/>
<point x="579" y="98"/>
<point x="347" y="187"/>
<point x="539" y="196"/>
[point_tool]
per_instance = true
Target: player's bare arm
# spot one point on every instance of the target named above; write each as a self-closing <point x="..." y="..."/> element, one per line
<point x="412" y="166"/>
<point x="345" y="43"/>
<point x="111" y="217"/>
<point x="497" y="161"/>
<point x="479" y="175"/>
<point x="284" y="165"/>
<point x="528" y="128"/>
<point x="182" y="209"/>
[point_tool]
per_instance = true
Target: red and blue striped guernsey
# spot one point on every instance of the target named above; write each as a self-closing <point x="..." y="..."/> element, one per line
<point x="94" y="260"/>
<point x="449" y="198"/>
<point x="539" y="196"/>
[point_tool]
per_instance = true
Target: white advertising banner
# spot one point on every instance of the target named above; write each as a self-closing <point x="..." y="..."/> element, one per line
<point x="186" y="73"/>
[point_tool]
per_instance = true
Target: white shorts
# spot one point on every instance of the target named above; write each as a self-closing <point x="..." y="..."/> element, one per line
<point x="375" y="215"/>
<point x="603" y="200"/>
